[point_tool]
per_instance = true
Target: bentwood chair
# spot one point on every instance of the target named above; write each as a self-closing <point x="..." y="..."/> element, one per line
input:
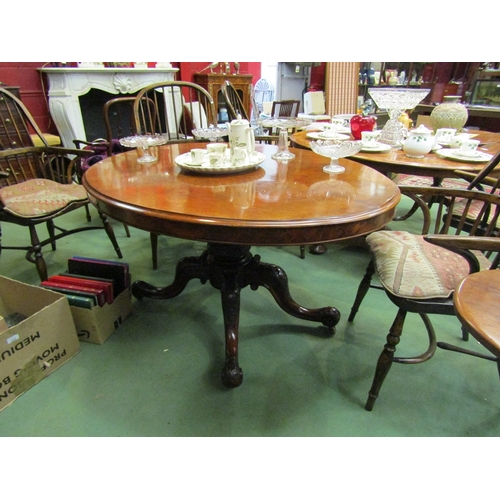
<point x="419" y="273"/>
<point x="178" y="108"/>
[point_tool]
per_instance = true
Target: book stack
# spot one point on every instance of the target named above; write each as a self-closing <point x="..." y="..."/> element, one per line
<point x="90" y="282"/>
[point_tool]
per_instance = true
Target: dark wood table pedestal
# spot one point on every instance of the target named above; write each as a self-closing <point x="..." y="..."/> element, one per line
<point x="229" y="269"/>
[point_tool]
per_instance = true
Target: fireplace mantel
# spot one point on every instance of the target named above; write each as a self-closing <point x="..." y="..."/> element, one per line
<point x="66" y="85"/>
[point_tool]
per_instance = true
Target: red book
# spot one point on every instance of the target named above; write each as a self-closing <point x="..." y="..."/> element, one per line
<point x="65" y="287"/>
<point x="106" y="286"/>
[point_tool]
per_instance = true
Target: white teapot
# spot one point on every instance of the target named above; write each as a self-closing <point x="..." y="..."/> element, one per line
<point x="419" y="142"/>
<point x="241" y="135"/>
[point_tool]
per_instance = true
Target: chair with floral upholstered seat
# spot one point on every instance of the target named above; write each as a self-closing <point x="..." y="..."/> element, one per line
<point x="419" y="272"/>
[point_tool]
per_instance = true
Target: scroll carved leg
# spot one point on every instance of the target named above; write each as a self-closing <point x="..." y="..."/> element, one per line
<point x="230" y="268"/>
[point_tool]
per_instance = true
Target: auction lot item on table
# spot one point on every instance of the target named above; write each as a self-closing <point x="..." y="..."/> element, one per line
<point x="37" y="336"/>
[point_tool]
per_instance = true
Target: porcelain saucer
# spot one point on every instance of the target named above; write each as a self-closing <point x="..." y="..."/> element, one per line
<point x="379" y="148"/>
<point x="453" y="154"/>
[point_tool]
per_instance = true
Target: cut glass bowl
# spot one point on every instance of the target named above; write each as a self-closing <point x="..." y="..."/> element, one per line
<point x="213" y="134"/>
<point x="144" y="142"/>
<point x="335" y="150"/>
<point x="395" y="101"/>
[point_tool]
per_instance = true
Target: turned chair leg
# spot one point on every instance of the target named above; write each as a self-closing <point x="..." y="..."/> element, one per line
<point x="36" y="250"/>
<point x="302" y="251"/>
<point x="465" y="334"/>
<point x="363" y="288"/>
<point x="111" y="234"/>
<point x="52" y="232"/>
<point x="154" y="249"/>
<point x="386" y="358"/>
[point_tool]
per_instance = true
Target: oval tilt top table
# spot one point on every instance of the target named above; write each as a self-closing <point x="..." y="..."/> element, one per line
<point x="292" y="203"/>
<point x="395" y="160"/>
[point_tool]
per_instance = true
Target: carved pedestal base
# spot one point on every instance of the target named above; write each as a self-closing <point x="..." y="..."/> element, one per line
<point x="230" y="268"/>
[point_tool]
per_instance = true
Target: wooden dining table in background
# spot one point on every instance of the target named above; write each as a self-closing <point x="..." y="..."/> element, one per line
<point x="395" y="160"/>
<point x="276" y="203"/>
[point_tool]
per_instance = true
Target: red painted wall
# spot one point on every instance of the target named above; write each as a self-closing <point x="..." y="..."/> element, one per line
<point x="33" y="86"/>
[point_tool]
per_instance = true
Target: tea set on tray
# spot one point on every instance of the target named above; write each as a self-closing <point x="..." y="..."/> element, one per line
<point x="220" y="157"/>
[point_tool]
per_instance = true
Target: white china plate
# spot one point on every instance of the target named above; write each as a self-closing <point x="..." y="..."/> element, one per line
<point x="228" y="168"/>
<point x="453" y="154"/>
<point x="319" y="135"/>
<point x="380" y="147"/>
<point x="339" y="130"/>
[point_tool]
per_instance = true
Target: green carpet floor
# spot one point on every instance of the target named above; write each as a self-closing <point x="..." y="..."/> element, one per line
<point x="159" y="373"/>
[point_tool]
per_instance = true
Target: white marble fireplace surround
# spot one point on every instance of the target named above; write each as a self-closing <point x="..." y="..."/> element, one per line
<point x="66" y="85"/>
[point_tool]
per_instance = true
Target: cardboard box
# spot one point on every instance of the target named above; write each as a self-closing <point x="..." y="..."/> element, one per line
<point x="39" y="338"/>
<point x="97" y="324"/>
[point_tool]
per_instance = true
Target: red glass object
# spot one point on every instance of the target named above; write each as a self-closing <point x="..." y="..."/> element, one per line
<point x="359" y="123"/>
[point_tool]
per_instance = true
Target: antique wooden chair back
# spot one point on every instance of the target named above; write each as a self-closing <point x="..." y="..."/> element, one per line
<point x="16" y="123"/>
<point x="233" y="101"/>
<point x="179" y="107"/>
<point x="286" y="108"/>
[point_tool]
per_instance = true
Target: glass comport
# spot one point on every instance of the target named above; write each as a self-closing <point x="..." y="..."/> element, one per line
<point x="145" y="142"/>
<point x="213" y="134"/>
<point x="396" y="101"/>
<point x="334" y="150"/>
<point x="283" y="124"/>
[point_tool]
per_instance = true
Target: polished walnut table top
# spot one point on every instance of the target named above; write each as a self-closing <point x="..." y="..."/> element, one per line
<point x="432" y="165"/>
<point x="275" y="204"/>
<point x="278" y="203"/>
<point x="476" y="303"/>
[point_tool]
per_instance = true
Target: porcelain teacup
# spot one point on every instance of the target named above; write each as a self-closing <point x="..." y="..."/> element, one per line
<point x="457" y="140"/>
<point x="369" y="139"/>
<point x="217" y="147"/>
<point x="339" y="122"/>
<point x="444" y="135"/>
<point x="216" y="159"/>
<point x="469" y="147"/>
<point x="197" y="156"/>
<point x="329" y="130"/>
<point x="239" y="156"/>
